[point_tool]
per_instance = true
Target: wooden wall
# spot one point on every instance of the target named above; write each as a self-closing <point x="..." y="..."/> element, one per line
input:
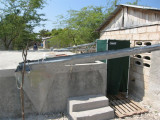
<point x="130" y="17"/>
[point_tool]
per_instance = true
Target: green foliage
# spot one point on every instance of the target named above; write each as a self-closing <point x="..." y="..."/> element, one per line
<point x="61" y="38"/>
<point x="134" y="3"/>
<point x="111" y="5"/>
<point x="24" y="38"/>
<point x="17" y="20"/>
<point x="79" y="27"/>
<point x="85" y="23"/>
<point x="44" y="33"/>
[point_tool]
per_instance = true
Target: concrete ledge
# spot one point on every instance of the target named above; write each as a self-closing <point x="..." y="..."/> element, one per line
<point x="49" y="88"/>
<point x="104" y="113"/>
<point x="10" y="97"/>
<point x="76" y="104"/>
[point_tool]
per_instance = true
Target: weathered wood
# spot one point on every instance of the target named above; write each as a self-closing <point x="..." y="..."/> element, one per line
<point x="118" y="108"/>
<point x="117" y="112"/>
<point x="127" y="17"/>
<point x="125" y="107"/>
<point x="145" y="110"/>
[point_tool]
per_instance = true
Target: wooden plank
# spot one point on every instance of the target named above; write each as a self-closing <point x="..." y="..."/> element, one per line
<point x="127" y="113"/>
<point x="128" y="103"/>
<point x="125" y="107"/>
<point x="119" y="109"/>
<point x="145" y="110"/>
<point x="118" y="113"/>
<point x="134" y="104"/>
<point x="132" y="108"/>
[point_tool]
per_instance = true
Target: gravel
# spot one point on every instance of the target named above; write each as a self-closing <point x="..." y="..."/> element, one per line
<point x="151" y="115"/>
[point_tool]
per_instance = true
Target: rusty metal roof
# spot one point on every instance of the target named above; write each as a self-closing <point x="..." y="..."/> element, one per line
<point x="119" y="7"/>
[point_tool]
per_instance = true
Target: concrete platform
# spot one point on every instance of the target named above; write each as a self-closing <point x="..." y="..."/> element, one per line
<point x="104" y="113"/>
<point x="87" y="102"/>
<point x="91" y="107"/>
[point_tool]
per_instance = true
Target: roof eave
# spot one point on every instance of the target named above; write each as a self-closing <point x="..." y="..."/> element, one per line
<point x="109" y="18"/>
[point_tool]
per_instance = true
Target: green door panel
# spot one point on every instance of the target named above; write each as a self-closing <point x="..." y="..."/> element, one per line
<point x="117" y="69"/>
<point x="102" y="46"/>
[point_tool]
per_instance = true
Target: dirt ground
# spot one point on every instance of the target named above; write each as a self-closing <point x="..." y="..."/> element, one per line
<point x="151" y="115"/>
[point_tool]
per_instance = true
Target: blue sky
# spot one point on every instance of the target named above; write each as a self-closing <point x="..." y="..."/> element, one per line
<point x="53" y="8"/>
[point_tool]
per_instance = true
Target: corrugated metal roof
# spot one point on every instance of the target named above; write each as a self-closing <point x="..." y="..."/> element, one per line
<point x="141" y="7"/>
<point x="121" y="6"/>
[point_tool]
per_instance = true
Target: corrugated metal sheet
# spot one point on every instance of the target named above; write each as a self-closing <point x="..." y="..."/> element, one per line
<point x="119" y="7"/>
<point x="141" y="7"/>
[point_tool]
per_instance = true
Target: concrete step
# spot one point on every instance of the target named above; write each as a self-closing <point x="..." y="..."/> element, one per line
<point x="103" y="113"/>
<point x="76" y="104"/>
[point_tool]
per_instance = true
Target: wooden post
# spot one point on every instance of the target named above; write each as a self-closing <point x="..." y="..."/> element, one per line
<point x="24" y="56"/>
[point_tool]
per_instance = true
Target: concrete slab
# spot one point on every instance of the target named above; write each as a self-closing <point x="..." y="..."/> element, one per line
<point x="90" y="107"/>
<point x="76" y="104"/>
<point x="104" y="113"/>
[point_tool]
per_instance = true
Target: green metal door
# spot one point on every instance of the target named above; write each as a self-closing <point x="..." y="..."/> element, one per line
<point x="101" y="46"/>
<point x="117" y="69"/>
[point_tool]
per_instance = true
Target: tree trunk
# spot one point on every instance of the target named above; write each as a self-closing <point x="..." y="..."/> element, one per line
<point x="6" y="47"/>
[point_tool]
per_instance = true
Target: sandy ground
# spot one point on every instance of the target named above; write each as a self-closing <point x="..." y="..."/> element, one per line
<point x="151" y="115"/>
<point x="11" y="59"/>
<point x="44" y="117"/>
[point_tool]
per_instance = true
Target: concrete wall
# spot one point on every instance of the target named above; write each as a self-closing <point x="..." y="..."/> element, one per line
<point x="47" y="87"/>
<point x="10" y="105"/>
<point x="154" y="81"/>
<point x="141" y="83"/>
<point x="149" y="33"/>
